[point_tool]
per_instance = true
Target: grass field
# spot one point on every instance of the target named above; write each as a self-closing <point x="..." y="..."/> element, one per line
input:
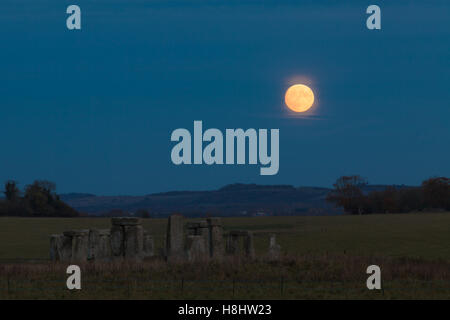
<point x="324" y="257"/>
<point x="424" y="236"/>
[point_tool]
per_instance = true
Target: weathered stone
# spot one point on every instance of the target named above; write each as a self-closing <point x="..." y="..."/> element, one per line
<point x="126" y="240"/>
<point x="249" y="245"/>
<point x="234" y="241"/>
<point x="66" y="249"/>
<point x="93" y="243"/>
<point x="80" y="244"/>
<point x="233" y="247"/>
<point x="204" y="232"/>
<point x="104" y="232"/>
<point x="199" y="228"/>
<point x="274" y="248"/>
<point x="175" y="238"/>
<point x="196" y="249"/>
<point x="192" y="228"/>
<point x="202" y="224"/>
<point x="216" y="245"/>
<point x="125" y="221"/>
<point x="117" y="240"/>
<point x="134" y="242"/>
<point x="149" y="246"/>
<point x="103" y="251"/>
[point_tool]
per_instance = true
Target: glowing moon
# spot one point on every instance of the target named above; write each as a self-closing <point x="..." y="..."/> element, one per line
<point x="299" y="98"/>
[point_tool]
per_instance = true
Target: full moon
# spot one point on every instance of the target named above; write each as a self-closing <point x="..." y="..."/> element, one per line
<point x="299" y="98"/>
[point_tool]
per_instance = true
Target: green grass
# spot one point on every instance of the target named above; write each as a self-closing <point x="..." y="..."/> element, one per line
<point x="425" y="236"/>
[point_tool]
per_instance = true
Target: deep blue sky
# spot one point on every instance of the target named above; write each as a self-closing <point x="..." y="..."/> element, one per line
<point x="93" y="110"/>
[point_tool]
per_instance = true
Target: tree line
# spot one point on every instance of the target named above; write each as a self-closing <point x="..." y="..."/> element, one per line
<point x="39" y="199"/>
<point x="432" y="195"/>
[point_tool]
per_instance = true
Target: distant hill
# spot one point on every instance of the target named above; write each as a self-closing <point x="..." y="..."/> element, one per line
<point x="230" y="200"/>
<point x="74" y="196"/>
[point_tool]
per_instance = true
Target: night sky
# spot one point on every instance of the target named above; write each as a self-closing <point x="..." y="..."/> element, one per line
<point x="93" y="110"/>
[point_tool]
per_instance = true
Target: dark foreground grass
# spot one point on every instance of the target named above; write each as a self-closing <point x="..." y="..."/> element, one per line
<point x="299" y="277"/>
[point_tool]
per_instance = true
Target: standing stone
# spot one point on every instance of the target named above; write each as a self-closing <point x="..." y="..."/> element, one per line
<point x="203" y="231"/>
<point x="192" y="228"/>
<point x="234" y="241"/>
<point x="103" y="251"/>
<point x="80" y="244"/>
<point x="149" y="245"/>
<point x="274" y="248"/>
<point x="93" y="244"/>
<point x="196" y="248"/>
<point x="199" y="228"/>
<point x="249" y="245"/>
<point x="233" y="247"/>
<point x="127" y="238"/>
<point x="216" y="246"/>
<point x="175" y="238"/>
<point x="134" y="242"/>
<point x="117" y="240"/>
<point x="66" y="249"/>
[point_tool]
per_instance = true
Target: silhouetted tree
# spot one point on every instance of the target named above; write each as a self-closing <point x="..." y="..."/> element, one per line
<point x="41" y="198"/>
<point x="390" y="200"/>
<point x="348" y="194"/>
<point x="12" y="192"/>
<point x="410" y="199"/>
<point x="38" y="198"/>
<point x="436" y="192"/>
